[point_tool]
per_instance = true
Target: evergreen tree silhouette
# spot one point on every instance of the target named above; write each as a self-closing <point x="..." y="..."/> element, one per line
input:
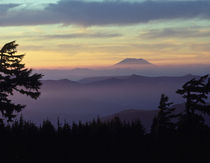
<point x="162" y="123"/>
<point x="47" y="128"/>
<point x="195" y="92"/>
<point x="14" y="77"/>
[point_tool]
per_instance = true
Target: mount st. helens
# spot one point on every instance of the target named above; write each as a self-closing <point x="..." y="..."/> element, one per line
<point x="133" y="61"/>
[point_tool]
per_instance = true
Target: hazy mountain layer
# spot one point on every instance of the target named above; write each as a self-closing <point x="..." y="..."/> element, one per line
<point x="126" y="67"/>
<point x="99" y="96"/>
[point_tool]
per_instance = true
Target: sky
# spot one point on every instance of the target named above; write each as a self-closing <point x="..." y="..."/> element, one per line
<point x="82" y="33"/>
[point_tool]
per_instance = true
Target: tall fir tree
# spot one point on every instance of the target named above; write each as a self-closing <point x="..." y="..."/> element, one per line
<point x="195" y="92"/>
<point x="162" y="123"/>
<point x="14" y="77"/>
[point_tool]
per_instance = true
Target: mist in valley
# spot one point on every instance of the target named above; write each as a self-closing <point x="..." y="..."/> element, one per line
<point x="99" y="96"/>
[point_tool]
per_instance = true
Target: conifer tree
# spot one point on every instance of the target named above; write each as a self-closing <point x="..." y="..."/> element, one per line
<point x="195" y="92"/>
<point x="14" y="77"/>
<point x="162" y="123"/>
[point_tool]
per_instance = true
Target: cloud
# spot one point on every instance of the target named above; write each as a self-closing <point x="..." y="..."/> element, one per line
<point x="36" y="37"/>
<point x="82" y="35"/>
<point x="201" y="47"/>
<point x="122" y="48"/>
<point x="85" y="13"/>
<point x="5" y="7"/>
<point x="175" y="33"/>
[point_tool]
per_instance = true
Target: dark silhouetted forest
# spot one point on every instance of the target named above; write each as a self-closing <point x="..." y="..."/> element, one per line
<point x="103" y="142"/>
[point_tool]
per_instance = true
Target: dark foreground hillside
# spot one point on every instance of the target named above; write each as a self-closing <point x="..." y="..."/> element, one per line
<point x="98" y="142"/>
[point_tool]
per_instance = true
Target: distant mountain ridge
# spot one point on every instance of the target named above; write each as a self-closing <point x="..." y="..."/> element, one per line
<point x="117" y="80"/>
<point x="134" y="78"/>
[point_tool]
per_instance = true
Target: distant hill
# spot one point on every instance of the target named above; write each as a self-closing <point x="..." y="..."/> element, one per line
<point x="59" y="84"/>
<point x="81" y="70"/>
<point x="145" y="116"/>
<point x="135" y="79"/>
<point x="93" y="79"/>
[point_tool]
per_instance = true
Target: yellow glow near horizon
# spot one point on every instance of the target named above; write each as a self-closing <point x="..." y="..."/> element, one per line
<point x="59" y="46"/>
